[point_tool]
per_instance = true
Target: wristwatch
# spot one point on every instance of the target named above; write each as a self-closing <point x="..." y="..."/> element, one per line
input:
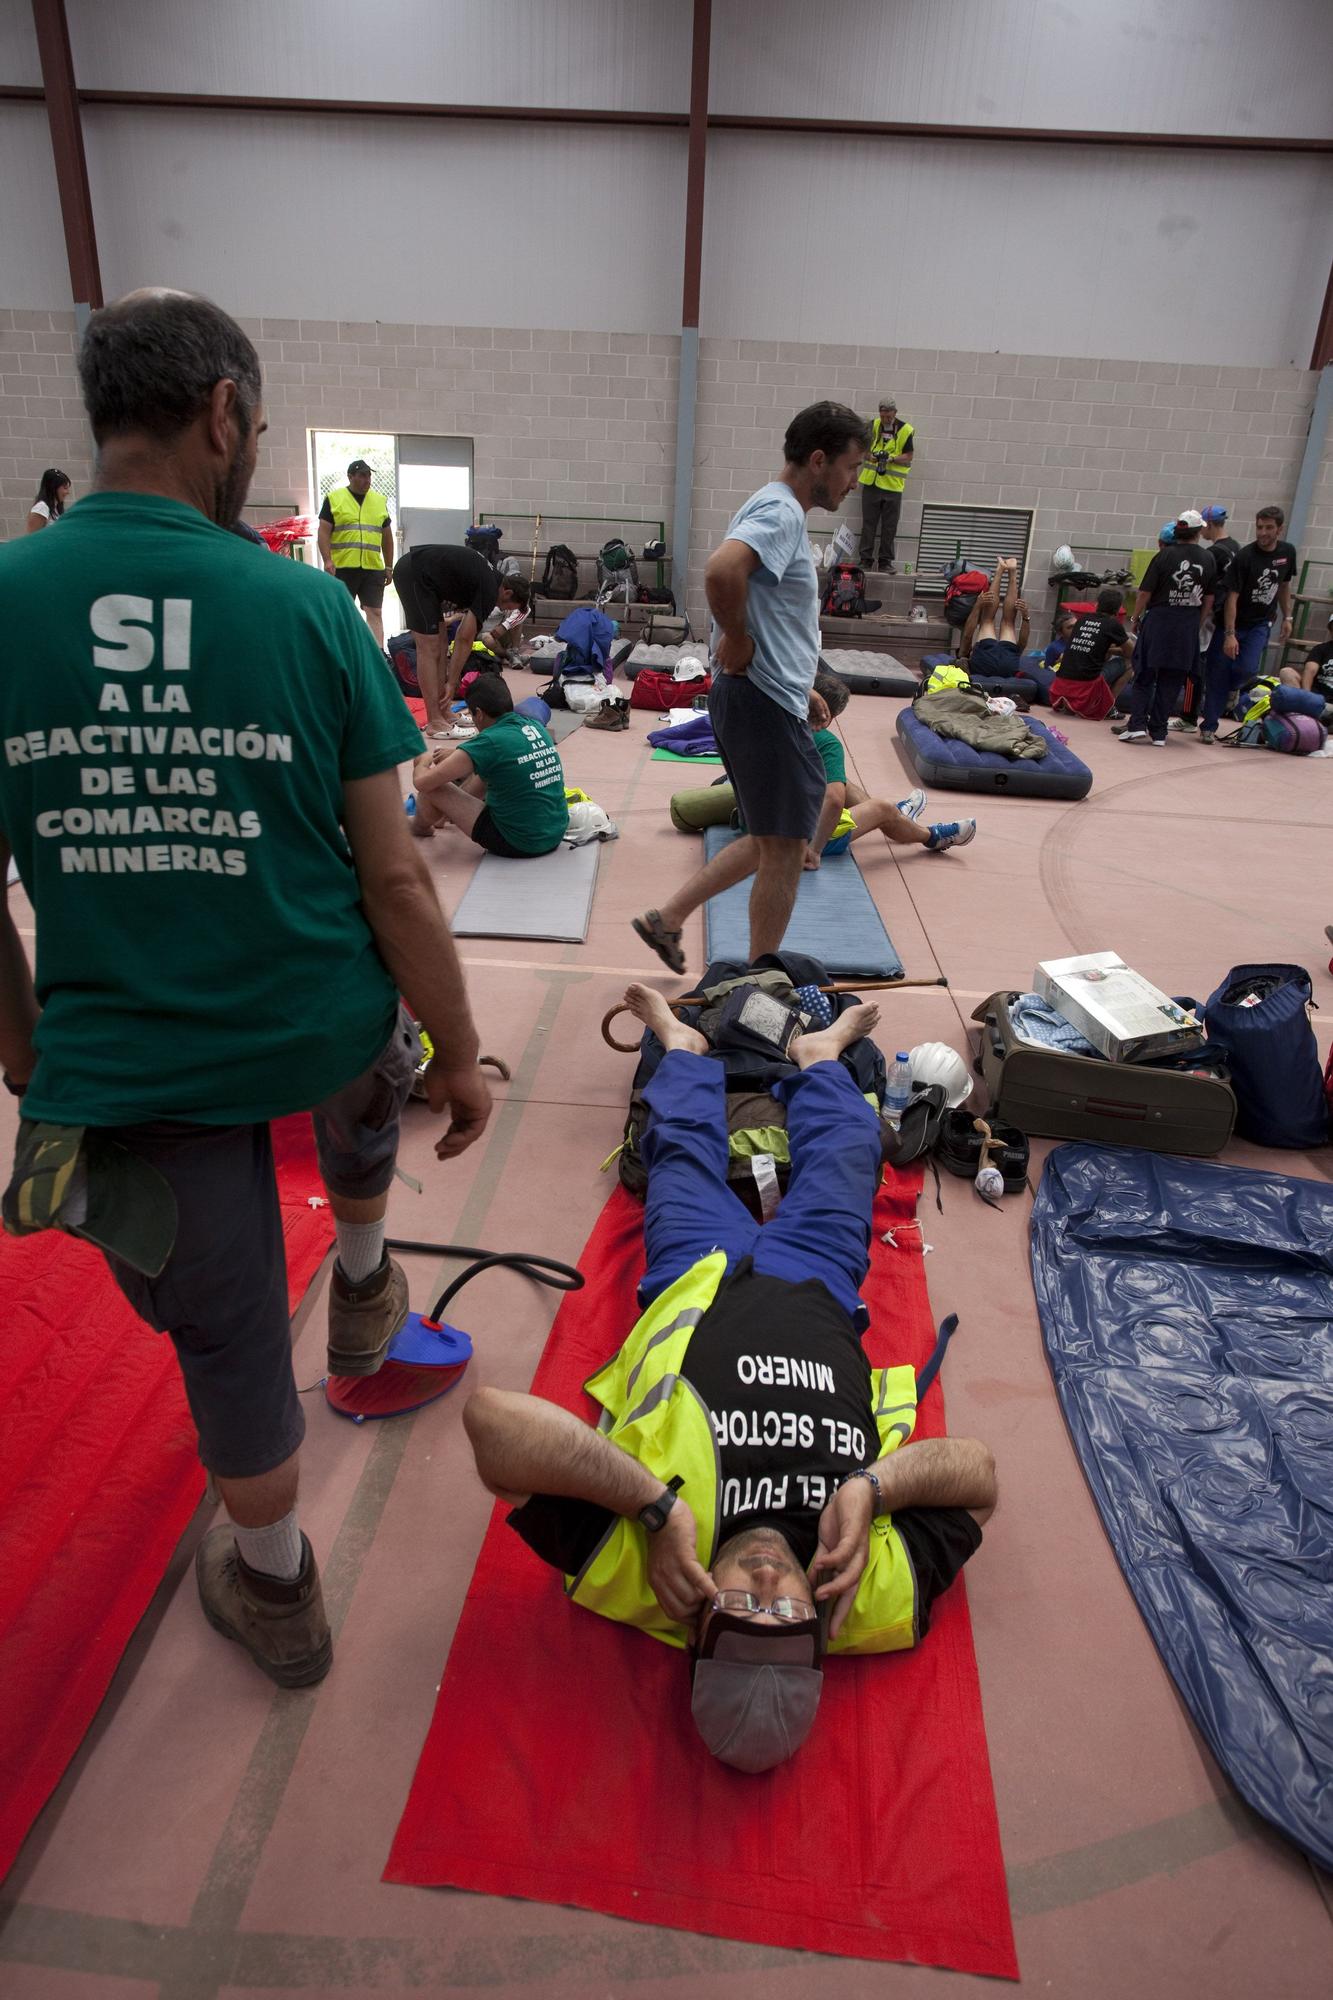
<point x="864" y="1472"/>
<point x="654" y="1515"/>
<point x="14" y="1089"/>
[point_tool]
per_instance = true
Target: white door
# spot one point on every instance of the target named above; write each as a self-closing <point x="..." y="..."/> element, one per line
<point x="434" y="489"/>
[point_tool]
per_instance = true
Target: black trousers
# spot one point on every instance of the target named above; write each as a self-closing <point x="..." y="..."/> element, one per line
<point x="879" y="518"/>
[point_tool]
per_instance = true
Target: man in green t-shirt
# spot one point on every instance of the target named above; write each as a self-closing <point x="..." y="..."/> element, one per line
<point x="505" y="787"/>
<point x="199" y="783"/>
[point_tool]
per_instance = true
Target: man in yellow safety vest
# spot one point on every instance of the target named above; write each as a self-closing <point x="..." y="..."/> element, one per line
<point x="883" y="476"/>
<point x="356" y="542"/>
<point x="749" y="1494"/>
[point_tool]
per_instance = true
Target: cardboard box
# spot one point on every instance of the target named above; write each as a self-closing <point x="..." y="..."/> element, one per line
<point x="1120" y="1012"/>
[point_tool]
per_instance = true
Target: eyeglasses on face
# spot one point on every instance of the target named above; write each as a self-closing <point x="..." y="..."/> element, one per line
<point x="744" y="1604"/>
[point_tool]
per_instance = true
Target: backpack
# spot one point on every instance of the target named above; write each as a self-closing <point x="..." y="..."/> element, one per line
<point x="756" y="1121"/>
<point x="962" y="593"/>
<point x="617" y="572"/>
<point x="1271" y="1053"/>
<point x="403" y="659"/>
<point x="648" y="595"/>
<point x="615" y="555"/>
<point x="1296" y="735"/>
<point x="845" y="592"/>
<point x="560" y="574"/>
<point x="658" y="688"/>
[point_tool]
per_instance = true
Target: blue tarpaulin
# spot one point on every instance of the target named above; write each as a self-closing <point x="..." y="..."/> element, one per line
<point x="1187" y="1311"/>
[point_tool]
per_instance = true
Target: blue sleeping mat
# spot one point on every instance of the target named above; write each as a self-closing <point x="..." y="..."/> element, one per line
<point x="1187" y="1311"/>
<point x="957" y="767"/>
<point x="835" y="919"/>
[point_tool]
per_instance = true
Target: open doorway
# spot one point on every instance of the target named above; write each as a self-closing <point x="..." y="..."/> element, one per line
<point x="426" y="482"/>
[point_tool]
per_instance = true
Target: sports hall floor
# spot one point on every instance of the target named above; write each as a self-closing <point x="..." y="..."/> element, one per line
<point x="216" y="1839"/>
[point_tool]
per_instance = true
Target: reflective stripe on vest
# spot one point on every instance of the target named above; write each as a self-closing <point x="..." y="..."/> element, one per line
<point x="893" y="443"/>
<point x="651" y="1411"/>
<point x="357" y="541"/>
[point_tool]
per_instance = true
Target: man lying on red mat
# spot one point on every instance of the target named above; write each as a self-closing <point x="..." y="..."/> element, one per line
<point x="749" y="1495"/>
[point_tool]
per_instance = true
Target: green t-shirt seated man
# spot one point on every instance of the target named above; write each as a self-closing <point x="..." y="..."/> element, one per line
<point x="506" y="787"/>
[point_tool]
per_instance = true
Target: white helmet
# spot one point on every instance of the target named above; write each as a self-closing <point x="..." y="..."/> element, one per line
<point x="936" y="1062"/>
<point x="1063" y="558"/>
<point x="587" y="821"/>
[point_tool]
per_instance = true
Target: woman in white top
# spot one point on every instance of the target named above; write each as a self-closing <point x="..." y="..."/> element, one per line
<point x="52" y="499"/>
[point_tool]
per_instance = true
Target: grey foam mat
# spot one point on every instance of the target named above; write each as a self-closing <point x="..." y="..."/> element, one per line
<point x="547" y="896"/>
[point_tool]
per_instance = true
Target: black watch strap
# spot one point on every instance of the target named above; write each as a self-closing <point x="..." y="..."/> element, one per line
<point x="653" y="1516"/>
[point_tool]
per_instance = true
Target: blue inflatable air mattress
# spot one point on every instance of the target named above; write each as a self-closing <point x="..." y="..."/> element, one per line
<point x="957" y="767"/>
<point x="1187" y="1311"/>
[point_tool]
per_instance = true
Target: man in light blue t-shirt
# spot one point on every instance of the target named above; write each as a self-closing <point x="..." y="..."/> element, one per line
<point x="763" y="591"/>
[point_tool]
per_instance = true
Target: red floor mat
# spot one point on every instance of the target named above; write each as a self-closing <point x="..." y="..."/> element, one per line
<point x="561" y="1764"/>
<point x="98" y="1477"/>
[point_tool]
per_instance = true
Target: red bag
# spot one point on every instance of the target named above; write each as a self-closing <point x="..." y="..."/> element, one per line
<point x="656" y="689"/>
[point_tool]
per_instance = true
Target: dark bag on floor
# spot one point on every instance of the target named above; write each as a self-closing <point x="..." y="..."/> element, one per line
<point x="560" y="572"/>
<point x="845" y="592"/>
<point x="1258" y="1016"/>
<point x="756" y="1121"/>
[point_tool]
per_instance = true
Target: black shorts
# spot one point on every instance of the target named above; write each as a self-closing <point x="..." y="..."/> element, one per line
<point x="222" y="1296"/>
<point x="366" y="585"/>
<point x="999" y="657"/>
<point x="770" y="757"/>
<point x="488" y="835"/>
<point x="422" y="608"/>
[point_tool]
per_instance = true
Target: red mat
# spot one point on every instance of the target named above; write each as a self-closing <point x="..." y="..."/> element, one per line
<point x="562" y="1765"/>
<point x="98" y="1477"/>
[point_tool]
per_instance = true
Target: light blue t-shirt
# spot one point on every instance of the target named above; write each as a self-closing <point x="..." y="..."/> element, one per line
<point x="784" y="596"/>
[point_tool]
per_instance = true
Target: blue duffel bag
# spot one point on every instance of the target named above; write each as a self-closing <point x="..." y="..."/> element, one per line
<point x="1257" y="1018"/>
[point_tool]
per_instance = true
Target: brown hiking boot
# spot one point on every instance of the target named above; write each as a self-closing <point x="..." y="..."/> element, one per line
<point x="364" y="1318"/>
<point x="281" y="1625"/>
<point x="612" y="714"/>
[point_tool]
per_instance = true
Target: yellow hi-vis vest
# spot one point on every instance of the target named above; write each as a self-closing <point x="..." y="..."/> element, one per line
<point x="653" y="1413"/>
<point x="947" y="677"/>
<point x="1262" y="692"/>
<point x="357" y="541"/>
<point x="892" y="444"/>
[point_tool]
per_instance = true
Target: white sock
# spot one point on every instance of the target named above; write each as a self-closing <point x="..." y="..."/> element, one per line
<point x="273" y="1551"/>
<point x="360" y="1249"/>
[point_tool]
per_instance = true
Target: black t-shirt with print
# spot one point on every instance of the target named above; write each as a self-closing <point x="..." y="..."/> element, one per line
<point x="1256" y="578"/>
<point x="1179" y="577"/>
<point x="1322" y="658"/>
<point x="1089" y="643"/>
<point x="788" y="1390"/>
<point x="1223" y="552"/>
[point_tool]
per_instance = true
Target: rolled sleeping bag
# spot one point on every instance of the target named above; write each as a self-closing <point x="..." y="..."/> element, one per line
<point x="1286" y="700"/>
<point x="534" y="707"/>
<point x="702" y="806"/>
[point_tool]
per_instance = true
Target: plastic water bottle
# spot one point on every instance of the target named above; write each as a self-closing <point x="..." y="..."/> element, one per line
<point x="898" y="1090"/>
<point x="410" y="806"/>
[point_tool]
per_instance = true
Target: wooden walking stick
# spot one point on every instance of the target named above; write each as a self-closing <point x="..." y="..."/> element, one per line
<point x="836" y="986"/>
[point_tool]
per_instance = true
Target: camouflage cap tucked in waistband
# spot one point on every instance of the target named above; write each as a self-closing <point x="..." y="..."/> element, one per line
<point x="77" y="1179"/>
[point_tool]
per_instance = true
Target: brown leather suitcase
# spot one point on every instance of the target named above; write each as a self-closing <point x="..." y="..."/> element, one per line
<point x="1050" y="1095"/>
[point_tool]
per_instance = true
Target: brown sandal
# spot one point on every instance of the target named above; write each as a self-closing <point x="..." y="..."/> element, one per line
<point x="664" y="942"/>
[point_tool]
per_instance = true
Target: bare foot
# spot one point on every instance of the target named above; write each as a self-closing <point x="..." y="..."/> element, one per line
<point x="829" y="1043"/>
<point x="419" y="829"/>
<point x="648" y="1006"/>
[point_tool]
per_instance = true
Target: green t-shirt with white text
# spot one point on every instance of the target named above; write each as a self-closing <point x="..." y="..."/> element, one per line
<point x="179" y="713"/>
<point x="525" y="782"/>
<point x="831" y="756"/>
